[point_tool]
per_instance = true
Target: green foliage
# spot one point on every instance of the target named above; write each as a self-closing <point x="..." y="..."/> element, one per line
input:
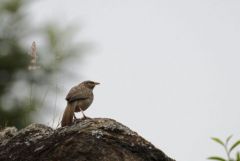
<point x="234" y="145"/>
<point x="216" y="158"/>
<point x="228" y="149"/>
<point x="22" y="91"/>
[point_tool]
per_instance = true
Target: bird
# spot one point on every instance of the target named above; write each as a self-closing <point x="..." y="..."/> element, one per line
<point x="79" y="98"/>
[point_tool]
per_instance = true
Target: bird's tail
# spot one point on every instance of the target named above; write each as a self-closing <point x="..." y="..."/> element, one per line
<point x="67" y="118"/>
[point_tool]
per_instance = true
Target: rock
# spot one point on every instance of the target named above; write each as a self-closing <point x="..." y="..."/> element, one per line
<point x="7" y="133"/>
<point x="97" y="139"/>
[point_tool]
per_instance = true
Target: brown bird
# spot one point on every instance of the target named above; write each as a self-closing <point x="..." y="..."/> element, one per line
<point x="79" y="98"/>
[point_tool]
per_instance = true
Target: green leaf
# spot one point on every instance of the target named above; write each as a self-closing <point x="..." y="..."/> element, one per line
<point x="218" y="141"/>
<point x="216" y="158"/>
<point x="234" y="145"/>
<point x="238" y="156"/>
<point x="228" y="139"/>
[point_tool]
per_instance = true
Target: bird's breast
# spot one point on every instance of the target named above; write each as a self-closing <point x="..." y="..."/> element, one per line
<point x="83" y="104"/>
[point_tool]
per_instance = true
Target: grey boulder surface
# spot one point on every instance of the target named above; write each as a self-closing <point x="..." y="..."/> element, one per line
<point x="97" y="139"/>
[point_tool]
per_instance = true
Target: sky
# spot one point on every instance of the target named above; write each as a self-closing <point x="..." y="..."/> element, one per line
<point x="169" y="70"/>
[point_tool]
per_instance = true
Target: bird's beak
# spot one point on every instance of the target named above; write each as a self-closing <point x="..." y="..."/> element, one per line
<point x="96" y="83"/>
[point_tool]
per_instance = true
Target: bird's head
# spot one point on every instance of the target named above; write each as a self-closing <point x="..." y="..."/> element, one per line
<point x="90" y="84"/>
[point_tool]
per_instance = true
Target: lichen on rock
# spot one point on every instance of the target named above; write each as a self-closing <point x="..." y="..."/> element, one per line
<point x="98" y="139"/>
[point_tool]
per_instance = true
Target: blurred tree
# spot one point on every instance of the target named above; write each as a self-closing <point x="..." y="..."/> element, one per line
<point x="20" y="83"/>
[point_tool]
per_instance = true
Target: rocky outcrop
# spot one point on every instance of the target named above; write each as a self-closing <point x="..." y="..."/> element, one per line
<point x="97" y="139"/>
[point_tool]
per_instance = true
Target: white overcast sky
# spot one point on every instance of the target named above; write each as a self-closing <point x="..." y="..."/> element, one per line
<point x="169" y="68"/>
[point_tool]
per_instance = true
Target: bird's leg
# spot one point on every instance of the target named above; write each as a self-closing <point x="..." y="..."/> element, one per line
<point x="84" y="116"/>
<point x="74" y="116"/>
<point x="74" y="109"/>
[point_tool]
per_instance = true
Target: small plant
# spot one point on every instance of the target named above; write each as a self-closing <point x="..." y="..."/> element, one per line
<point x="228" y="149"/>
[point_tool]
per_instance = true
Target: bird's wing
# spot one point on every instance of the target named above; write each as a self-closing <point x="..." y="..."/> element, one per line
<point x="77" y="93"/>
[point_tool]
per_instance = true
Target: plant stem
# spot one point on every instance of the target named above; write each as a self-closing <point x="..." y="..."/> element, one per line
<point x="55" y="105"/>
<point x="31" y="93"/>
<point x="227" y="152"/>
